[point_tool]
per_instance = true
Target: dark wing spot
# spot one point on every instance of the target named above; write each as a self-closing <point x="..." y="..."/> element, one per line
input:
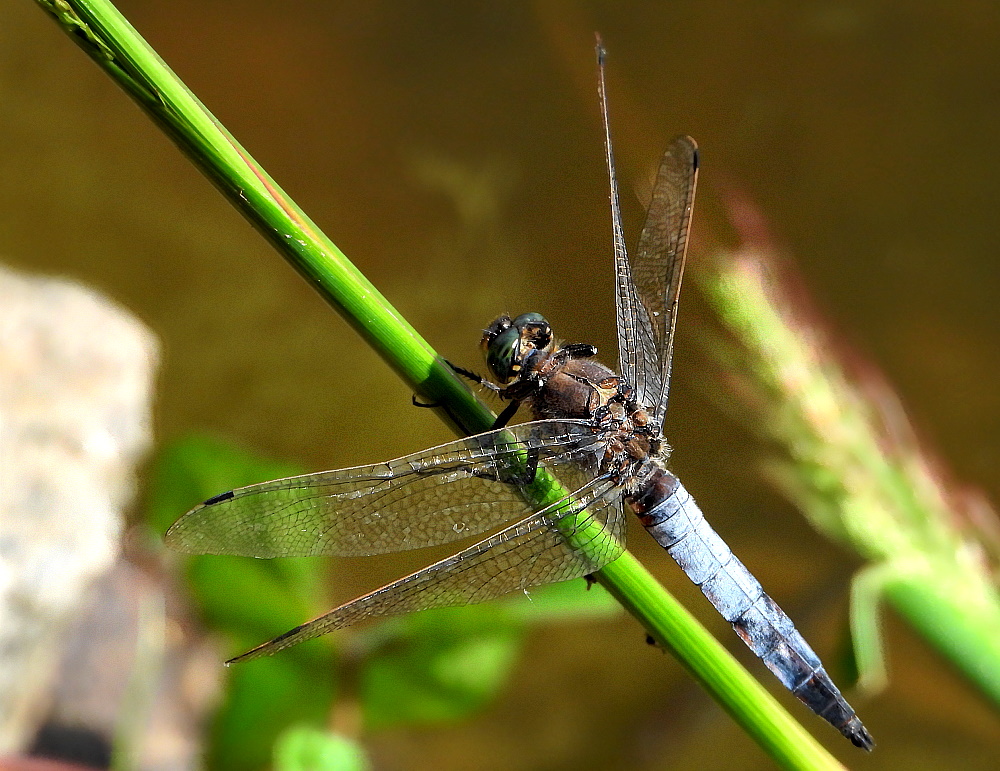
<point x="218" y="498"/>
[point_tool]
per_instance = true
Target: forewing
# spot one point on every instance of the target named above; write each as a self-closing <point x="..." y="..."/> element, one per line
<point x="636" y="339"/>
<point x="656" y="270"/>
<point x="531" y="552"/>
<point x="431" y="497"/>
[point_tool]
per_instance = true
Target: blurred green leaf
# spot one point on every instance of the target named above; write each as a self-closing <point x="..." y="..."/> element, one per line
<point x="426" y="668"/>
<point x="438" y="666"/>
<point x="250" y="601"/>
<point x="306" y="749"/>
<point x="263" y="699"/>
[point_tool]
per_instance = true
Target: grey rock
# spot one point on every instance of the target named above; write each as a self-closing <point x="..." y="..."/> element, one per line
<point x="76" y="380"/>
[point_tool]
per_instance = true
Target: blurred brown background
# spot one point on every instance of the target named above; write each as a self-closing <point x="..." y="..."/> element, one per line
<point x="453" y="152"/>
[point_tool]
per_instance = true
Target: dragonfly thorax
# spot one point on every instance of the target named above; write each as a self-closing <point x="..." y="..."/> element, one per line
<point x="565" y="381"/>
<point x="634" y="447"/>
<point x="569" y="388"/>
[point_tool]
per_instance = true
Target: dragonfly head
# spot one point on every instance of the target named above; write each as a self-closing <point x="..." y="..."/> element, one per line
<point x="509" y="343"/>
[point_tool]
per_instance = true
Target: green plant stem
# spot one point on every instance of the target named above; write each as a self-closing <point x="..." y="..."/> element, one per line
<point x="735" y="689"/>
<point x="111" y="42"/>
<point x="963" y="630"/>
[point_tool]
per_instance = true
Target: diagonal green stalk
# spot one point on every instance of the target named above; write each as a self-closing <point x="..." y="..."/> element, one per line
<point x="111" y="42"/>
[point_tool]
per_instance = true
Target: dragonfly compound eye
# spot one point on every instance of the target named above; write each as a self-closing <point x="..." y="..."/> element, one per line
<point x="534" y="330"/>
<point x="496" y="326"/>
<point x="503" y="354"/>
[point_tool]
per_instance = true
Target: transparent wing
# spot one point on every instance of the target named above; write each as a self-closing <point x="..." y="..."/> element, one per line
<point x="531" y="552"/>
<point x="647" y="286"/>
<point x="649" y="301"/>
<point x="431" y="497"/>
<point x="633" y="325"/>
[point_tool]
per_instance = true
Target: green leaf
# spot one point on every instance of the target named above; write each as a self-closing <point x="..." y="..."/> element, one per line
<point x="250" y="601"/>
<point x="306" y="749"/>
<point x="254" y="600"/>
<point x="438" y="666"/>
<point x="263" y="699"/>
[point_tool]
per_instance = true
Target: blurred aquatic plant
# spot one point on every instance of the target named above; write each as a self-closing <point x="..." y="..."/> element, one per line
<point x="853" y="465"/>
<point x="432" y="668"/>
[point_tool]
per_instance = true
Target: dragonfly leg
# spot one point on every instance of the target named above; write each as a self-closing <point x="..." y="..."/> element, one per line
<point x="508" y="412"/>
<point x="468" y="374"/>
<point x="476" y="378"/>
<point x="504" y="417"/>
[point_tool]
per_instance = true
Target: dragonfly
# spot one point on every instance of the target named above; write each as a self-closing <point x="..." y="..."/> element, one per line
<point x="558" y="487"/>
